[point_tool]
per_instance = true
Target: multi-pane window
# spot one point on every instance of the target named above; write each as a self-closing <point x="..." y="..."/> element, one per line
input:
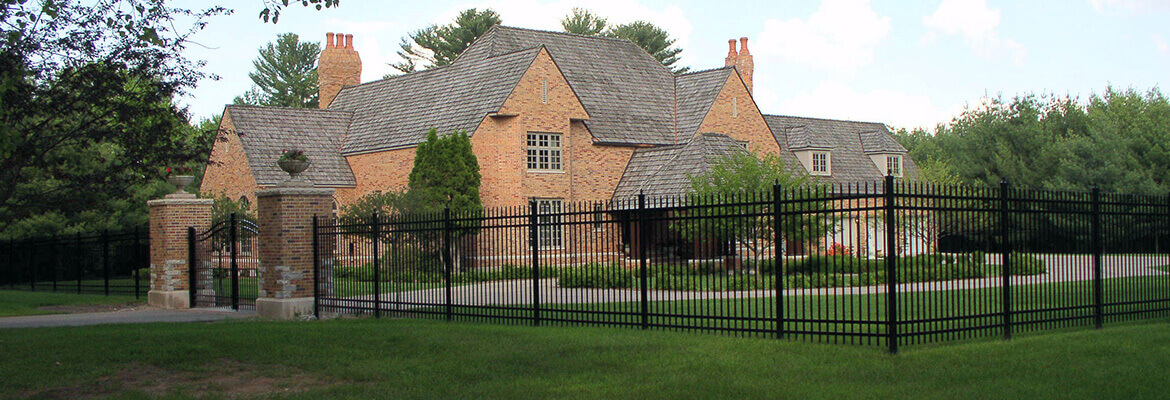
<point x="549" y="231"/>
<point x="894" y="165"/>
<point x="820" y="162"/>
<point x="544" y="151"/>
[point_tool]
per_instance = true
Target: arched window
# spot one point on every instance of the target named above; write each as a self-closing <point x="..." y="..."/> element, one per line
<point x="244" y="203"/>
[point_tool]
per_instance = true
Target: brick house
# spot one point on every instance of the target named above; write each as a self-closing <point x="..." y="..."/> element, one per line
<point x="556" y="117"/>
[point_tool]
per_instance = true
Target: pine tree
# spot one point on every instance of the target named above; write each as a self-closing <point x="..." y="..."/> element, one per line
<point x="445" y="174"/>
<point x="444" y="43"/>
<point x="285" y="75"/>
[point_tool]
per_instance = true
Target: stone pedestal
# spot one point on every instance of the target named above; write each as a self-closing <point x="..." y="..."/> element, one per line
<point x="286" y="247"/>
<point x="169" y="219"/>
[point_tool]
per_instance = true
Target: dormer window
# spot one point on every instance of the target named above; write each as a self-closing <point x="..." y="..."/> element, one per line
<point x="820" y="163"/>
<point x="894" y="165"/>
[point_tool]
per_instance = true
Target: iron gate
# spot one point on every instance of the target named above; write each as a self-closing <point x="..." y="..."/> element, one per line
<point x="224" y="264"/>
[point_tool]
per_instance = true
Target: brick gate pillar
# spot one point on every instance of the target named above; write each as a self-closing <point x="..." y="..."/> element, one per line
<point x="286" y="247"/>
<point x="169" y="219"/>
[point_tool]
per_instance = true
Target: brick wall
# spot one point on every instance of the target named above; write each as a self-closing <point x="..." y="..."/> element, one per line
<point x="734" y="113"/>
<point x="286" y="239"/>
<point x="169" y="219"/>
<point x="228" y="173"/>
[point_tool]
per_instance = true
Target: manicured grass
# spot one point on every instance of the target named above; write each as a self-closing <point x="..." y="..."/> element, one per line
<point x="15" y="303"/>
<point x="429" y="359"/>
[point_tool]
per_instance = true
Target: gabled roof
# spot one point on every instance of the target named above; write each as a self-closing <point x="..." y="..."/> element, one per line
<point x="875" y="142"/>
<point x="267" y="131"/>
<point x="800" y="137"/>
<point x="628" y="94"/>
<point x="398" y="111"/>
<point x="696" y="93"/>
<point x="666" y="171"/>
<point x="850" y="159"/>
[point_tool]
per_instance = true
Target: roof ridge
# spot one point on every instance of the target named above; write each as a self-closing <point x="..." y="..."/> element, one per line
<point x="825" y="119"/>
<point x="298" y="109"/>
<point x="564" y="33"/>
<point x="726" y="67"/>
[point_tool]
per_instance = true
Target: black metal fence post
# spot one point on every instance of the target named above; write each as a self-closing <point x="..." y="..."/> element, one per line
<point x="1098" y="284"/>
<point x="12" y="264"/>
<point x="643" y="230"/>
<point x="53" y="260"/>
<point x="316" y="271"/>
<point x="233" y="237"/>
<point x="1005" y="259"/>
<point x="534" y="238"/>
<point x="778" y="257"/>
<point x="106" y="259"/>
<point x="192" y="282"/>
<point x="891" y="268"/>
<point x="77" y="259"/>
<point x="30" y="265"/>
<point x="448" y="265"/>
<point x="137" y="255"/>
<point x="377" y="228"/>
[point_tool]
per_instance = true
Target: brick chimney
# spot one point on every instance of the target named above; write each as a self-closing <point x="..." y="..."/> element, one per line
<point x="744" y="64"/>
<point x="339" y="66"/>
<point x="732" y="57"/>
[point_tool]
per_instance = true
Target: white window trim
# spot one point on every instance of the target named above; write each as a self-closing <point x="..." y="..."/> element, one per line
<point x="560" y="149"/>
<point x="559" y="229"/>
<point x="828" y="163"/>
<point x="897" y="161"/>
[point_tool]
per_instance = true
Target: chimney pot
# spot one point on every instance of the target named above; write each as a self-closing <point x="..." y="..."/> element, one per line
<point x="329" y="40"/>
<point x="349" y="42"/>
<point x="743" y="46"/>
<point x="732" y="57"/>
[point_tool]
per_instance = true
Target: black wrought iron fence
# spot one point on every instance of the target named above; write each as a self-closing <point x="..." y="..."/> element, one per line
<point x="885" y="263"/>
<point x="109" y="263"/>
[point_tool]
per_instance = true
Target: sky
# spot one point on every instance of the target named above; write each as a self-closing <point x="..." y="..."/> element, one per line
<point x="907" y="63"/>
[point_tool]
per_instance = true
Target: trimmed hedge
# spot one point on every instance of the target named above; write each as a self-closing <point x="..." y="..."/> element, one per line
<point x="601" y="276"/>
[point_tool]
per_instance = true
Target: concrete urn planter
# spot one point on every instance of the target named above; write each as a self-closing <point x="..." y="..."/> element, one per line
<point x="293" y="167"/>
<point x="180" y="182"/>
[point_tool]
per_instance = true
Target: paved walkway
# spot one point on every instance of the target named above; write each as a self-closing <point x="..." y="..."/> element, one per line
<point x="1061" y="268"/>
<point x="121" y="317"/>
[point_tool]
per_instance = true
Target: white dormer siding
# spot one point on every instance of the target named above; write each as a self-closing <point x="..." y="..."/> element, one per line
<point x="817" y="162"/>
<point x="889" y="163"/>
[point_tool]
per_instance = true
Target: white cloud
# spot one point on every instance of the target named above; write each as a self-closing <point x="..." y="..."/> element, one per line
<point x="977" y="24"/>
<point x="366" y="34"/>
<point x="535" y="14"/>
<point x="833" y="99"/>
<point x="1132" y="6"/>
<point x="1161" y="44"/>
<point x="839" y="36"/>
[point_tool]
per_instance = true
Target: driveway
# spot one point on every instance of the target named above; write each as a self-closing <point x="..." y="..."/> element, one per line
<point x="1061" y="268"/>
<point x="138" y="316"/>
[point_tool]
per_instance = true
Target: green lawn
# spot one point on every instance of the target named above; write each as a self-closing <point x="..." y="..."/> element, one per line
<point x="428" y="359"/>
<point x="15" y="303"/>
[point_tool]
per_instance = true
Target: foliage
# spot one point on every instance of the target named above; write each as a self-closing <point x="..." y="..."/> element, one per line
<point x="285" y="74"/>
<point x="436" y="46"/>
<point x="86" y="112"/>
<point x="595" y="275"/>
<point x="294" y="155"/>
<point x="837" y="264"/>
<point x="654" y="40"/>
<point x="1119" y="140"/>
<point x="222" y="208"/>
<point x="739" y="178"/>
<point x="1028" y="264"/>
<point x="272" y="8"/>
<point x="584" y="22"/>
<point x="445" y="174"/>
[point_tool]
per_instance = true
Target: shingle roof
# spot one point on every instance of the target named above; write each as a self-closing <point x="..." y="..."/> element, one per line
<point x="398" y="111"/>
<point x="850" y="160"/>
<point x="628" y="94"/>
<point x="696" y="93"/>
<point x="800" y="137"/>
<point x="666" y="171"/>
<point x="267" y="131"/>
<point x="873" y="142"/>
